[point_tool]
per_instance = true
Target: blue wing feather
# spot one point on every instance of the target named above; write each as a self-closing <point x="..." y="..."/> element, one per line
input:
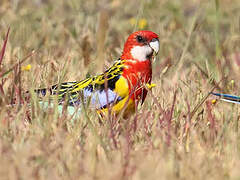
<point x="228" y="97"/>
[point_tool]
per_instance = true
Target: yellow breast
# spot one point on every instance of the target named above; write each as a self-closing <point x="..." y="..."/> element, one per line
<point x="122" y="89"/>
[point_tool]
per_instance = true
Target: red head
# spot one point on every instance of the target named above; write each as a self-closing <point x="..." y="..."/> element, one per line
<point x="140" y="46"/>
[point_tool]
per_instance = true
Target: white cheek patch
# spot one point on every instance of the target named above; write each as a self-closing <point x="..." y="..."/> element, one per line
<point x="141" y="52"/>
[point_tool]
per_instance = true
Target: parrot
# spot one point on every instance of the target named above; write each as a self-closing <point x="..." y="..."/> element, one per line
<point x="121" y="87"/>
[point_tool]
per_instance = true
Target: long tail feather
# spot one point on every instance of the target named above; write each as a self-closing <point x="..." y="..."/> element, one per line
<point x="74" y="111"/>
<point x="71" y="110"/>
<point x="228" y="97"/>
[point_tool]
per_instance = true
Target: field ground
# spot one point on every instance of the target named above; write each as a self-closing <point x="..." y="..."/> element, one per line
<point x="177" y="134"/>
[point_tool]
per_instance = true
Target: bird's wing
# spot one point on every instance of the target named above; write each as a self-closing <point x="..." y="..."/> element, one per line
<point x="100" y="91"/>
<point x="228" y="97"/>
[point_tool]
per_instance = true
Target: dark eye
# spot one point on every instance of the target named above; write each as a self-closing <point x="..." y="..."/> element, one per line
<point x="140" y="39"/>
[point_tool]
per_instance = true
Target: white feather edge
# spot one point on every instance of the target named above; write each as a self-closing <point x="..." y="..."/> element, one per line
<point x="226" y="100"/>
<point x="72" y="110"/>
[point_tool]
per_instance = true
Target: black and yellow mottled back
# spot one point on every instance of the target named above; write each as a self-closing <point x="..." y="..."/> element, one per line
<point x="71" y="91"/>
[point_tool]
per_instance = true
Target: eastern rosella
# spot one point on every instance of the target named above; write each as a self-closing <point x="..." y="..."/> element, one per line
<point x="122" y="86"/>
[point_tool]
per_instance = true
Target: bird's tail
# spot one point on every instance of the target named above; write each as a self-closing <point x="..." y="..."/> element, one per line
<point x="74" y="111"/>
<point x="26" y="95"/>
<point x="228" y="97"/>
<point x="41" y="92"/>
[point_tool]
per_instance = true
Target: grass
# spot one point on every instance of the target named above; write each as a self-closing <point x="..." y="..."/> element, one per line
<point x="177" y="134"/>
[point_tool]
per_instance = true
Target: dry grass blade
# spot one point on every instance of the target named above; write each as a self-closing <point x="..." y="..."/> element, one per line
<point x="86" y="48"/>
<point x="180" y="62"/>
<point x="17" y="64"/>
<point x="213" y="82"/>
<point x="169" y="117"/>
<point x="103" y="25"/>
<point x="202" y="101"/>
<point x="4" y="47"/>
